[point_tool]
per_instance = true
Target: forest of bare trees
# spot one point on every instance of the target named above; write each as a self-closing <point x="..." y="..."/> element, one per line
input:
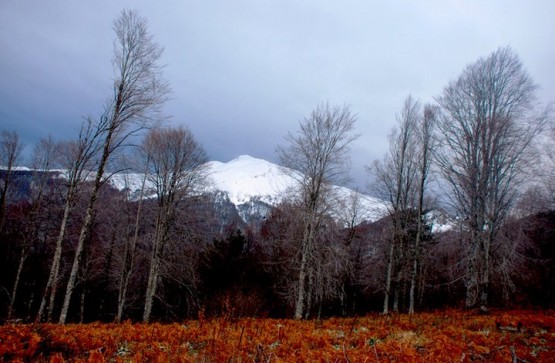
<point x="75" y="248"/>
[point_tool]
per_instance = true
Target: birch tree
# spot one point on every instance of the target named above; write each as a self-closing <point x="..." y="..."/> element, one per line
<point x="130" y="244"/>
<point x="489" y="121"/>
<point x="138" y="95"/>
<point x="77" y="158"/>
<point x="176" y="164"/>
<point x="396" y="181"/>
<point x="401" y="179"/>
<point x="319" y="155"/>
<point x="426" y="147"/>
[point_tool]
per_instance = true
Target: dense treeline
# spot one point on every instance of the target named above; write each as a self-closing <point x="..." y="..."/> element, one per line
<point x="75" y="248"/>
<point x="234" y="271"/>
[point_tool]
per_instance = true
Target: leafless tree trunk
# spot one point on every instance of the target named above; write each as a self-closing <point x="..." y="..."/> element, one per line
<point x="427" y="147"/>
<point x="10" y="154"/>
<point x="318" y="155"/>
<point x="396" y="182"/>
<point x="80" y="155"/>
<point x="22" y="258"/>
<point x="44" y="155"/>
<point x="389" y="273"/>
<point x="488" y="125"/>
<point x="176" y="164"/>
<point x="139" y="92"/>
<point x="129" y="253"/>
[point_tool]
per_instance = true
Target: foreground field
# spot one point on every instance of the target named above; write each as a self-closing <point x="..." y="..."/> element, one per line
<point x="447" y="336"/>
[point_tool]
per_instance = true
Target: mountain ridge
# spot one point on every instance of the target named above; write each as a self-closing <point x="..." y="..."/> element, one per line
<point x="246" y="179"/>
<point x="252" y="185"/>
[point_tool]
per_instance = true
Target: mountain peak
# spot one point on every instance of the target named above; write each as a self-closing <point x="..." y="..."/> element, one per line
<point x="245" y="177"/>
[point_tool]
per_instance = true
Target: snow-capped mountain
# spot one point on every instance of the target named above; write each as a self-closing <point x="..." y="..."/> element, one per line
<point x="247" y="188"/>
<point x="255" y="185"/>
<point x="246" y="177"/>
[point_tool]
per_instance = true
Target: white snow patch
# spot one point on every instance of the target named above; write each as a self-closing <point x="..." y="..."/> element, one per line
<point x="246" y="177"/>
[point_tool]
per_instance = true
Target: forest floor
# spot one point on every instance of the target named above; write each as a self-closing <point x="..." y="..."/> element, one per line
<point x="442" y="336"/>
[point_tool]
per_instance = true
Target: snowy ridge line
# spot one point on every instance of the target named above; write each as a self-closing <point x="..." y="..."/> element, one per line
<point x="246" y="178"/>
<point x="255" y="185"/>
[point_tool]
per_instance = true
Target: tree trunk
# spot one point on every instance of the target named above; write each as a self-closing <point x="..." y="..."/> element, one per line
<point x="22" y="259"/>
<point x="472" y="277"/>
<point x="308" y="237"/>
<point x="87" y="224"/>
<point x="417" y="241"/>
<point x="299" y="305"/>
<point x="389" y="273"/>
<point x="159" y="240"/>
<point x="82" y="307"/>
<point x="152" y="283"/>
<point x="397" y="293"/>
<point x="129" y="256"/>
<point x="413" y="284"/>
<point x="52" y="283"/>
<point x="421" y="284"/>
<point x="484" y="277"/>
<point x="77" y="258"/>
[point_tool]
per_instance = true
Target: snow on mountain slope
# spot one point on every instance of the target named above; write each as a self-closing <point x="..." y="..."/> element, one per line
<point x="255" y="185"/>
<point x="132" y="182"/>
<point x="245" y="179"/>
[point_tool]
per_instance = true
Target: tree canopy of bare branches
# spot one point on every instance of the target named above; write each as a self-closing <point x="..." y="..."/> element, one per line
<point x="318" y="154"/>
<point x="489" y="122"/>
<point x="176" y="164"/>
<point x="401" y="179"/>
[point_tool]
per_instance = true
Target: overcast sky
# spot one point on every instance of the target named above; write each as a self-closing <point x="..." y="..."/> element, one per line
<point x="244" y="73"/>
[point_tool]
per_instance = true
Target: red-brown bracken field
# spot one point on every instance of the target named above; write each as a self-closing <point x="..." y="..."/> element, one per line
<point x="442" y="336"/>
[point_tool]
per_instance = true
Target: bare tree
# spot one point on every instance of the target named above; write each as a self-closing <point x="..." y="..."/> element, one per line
<point x="76" y="158"/>
<point x="427" y="145"/>
<point x="319" y="156"/>
<point x="130" y="246"/>
<point x="401" y="179"/>
<point x="139" y="93"/>
<point x="487" y="127"/>
<point x="396" y="182"/>
<point x="10" y="154"/>
<point x="44" y="157"/>
<point x="176" y="165"/>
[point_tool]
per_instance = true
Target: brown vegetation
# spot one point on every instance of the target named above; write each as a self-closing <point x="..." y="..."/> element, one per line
<point x="442" y="336"/>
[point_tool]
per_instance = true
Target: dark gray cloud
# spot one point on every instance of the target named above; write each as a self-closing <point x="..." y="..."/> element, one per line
<point x="243" y="73"/>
